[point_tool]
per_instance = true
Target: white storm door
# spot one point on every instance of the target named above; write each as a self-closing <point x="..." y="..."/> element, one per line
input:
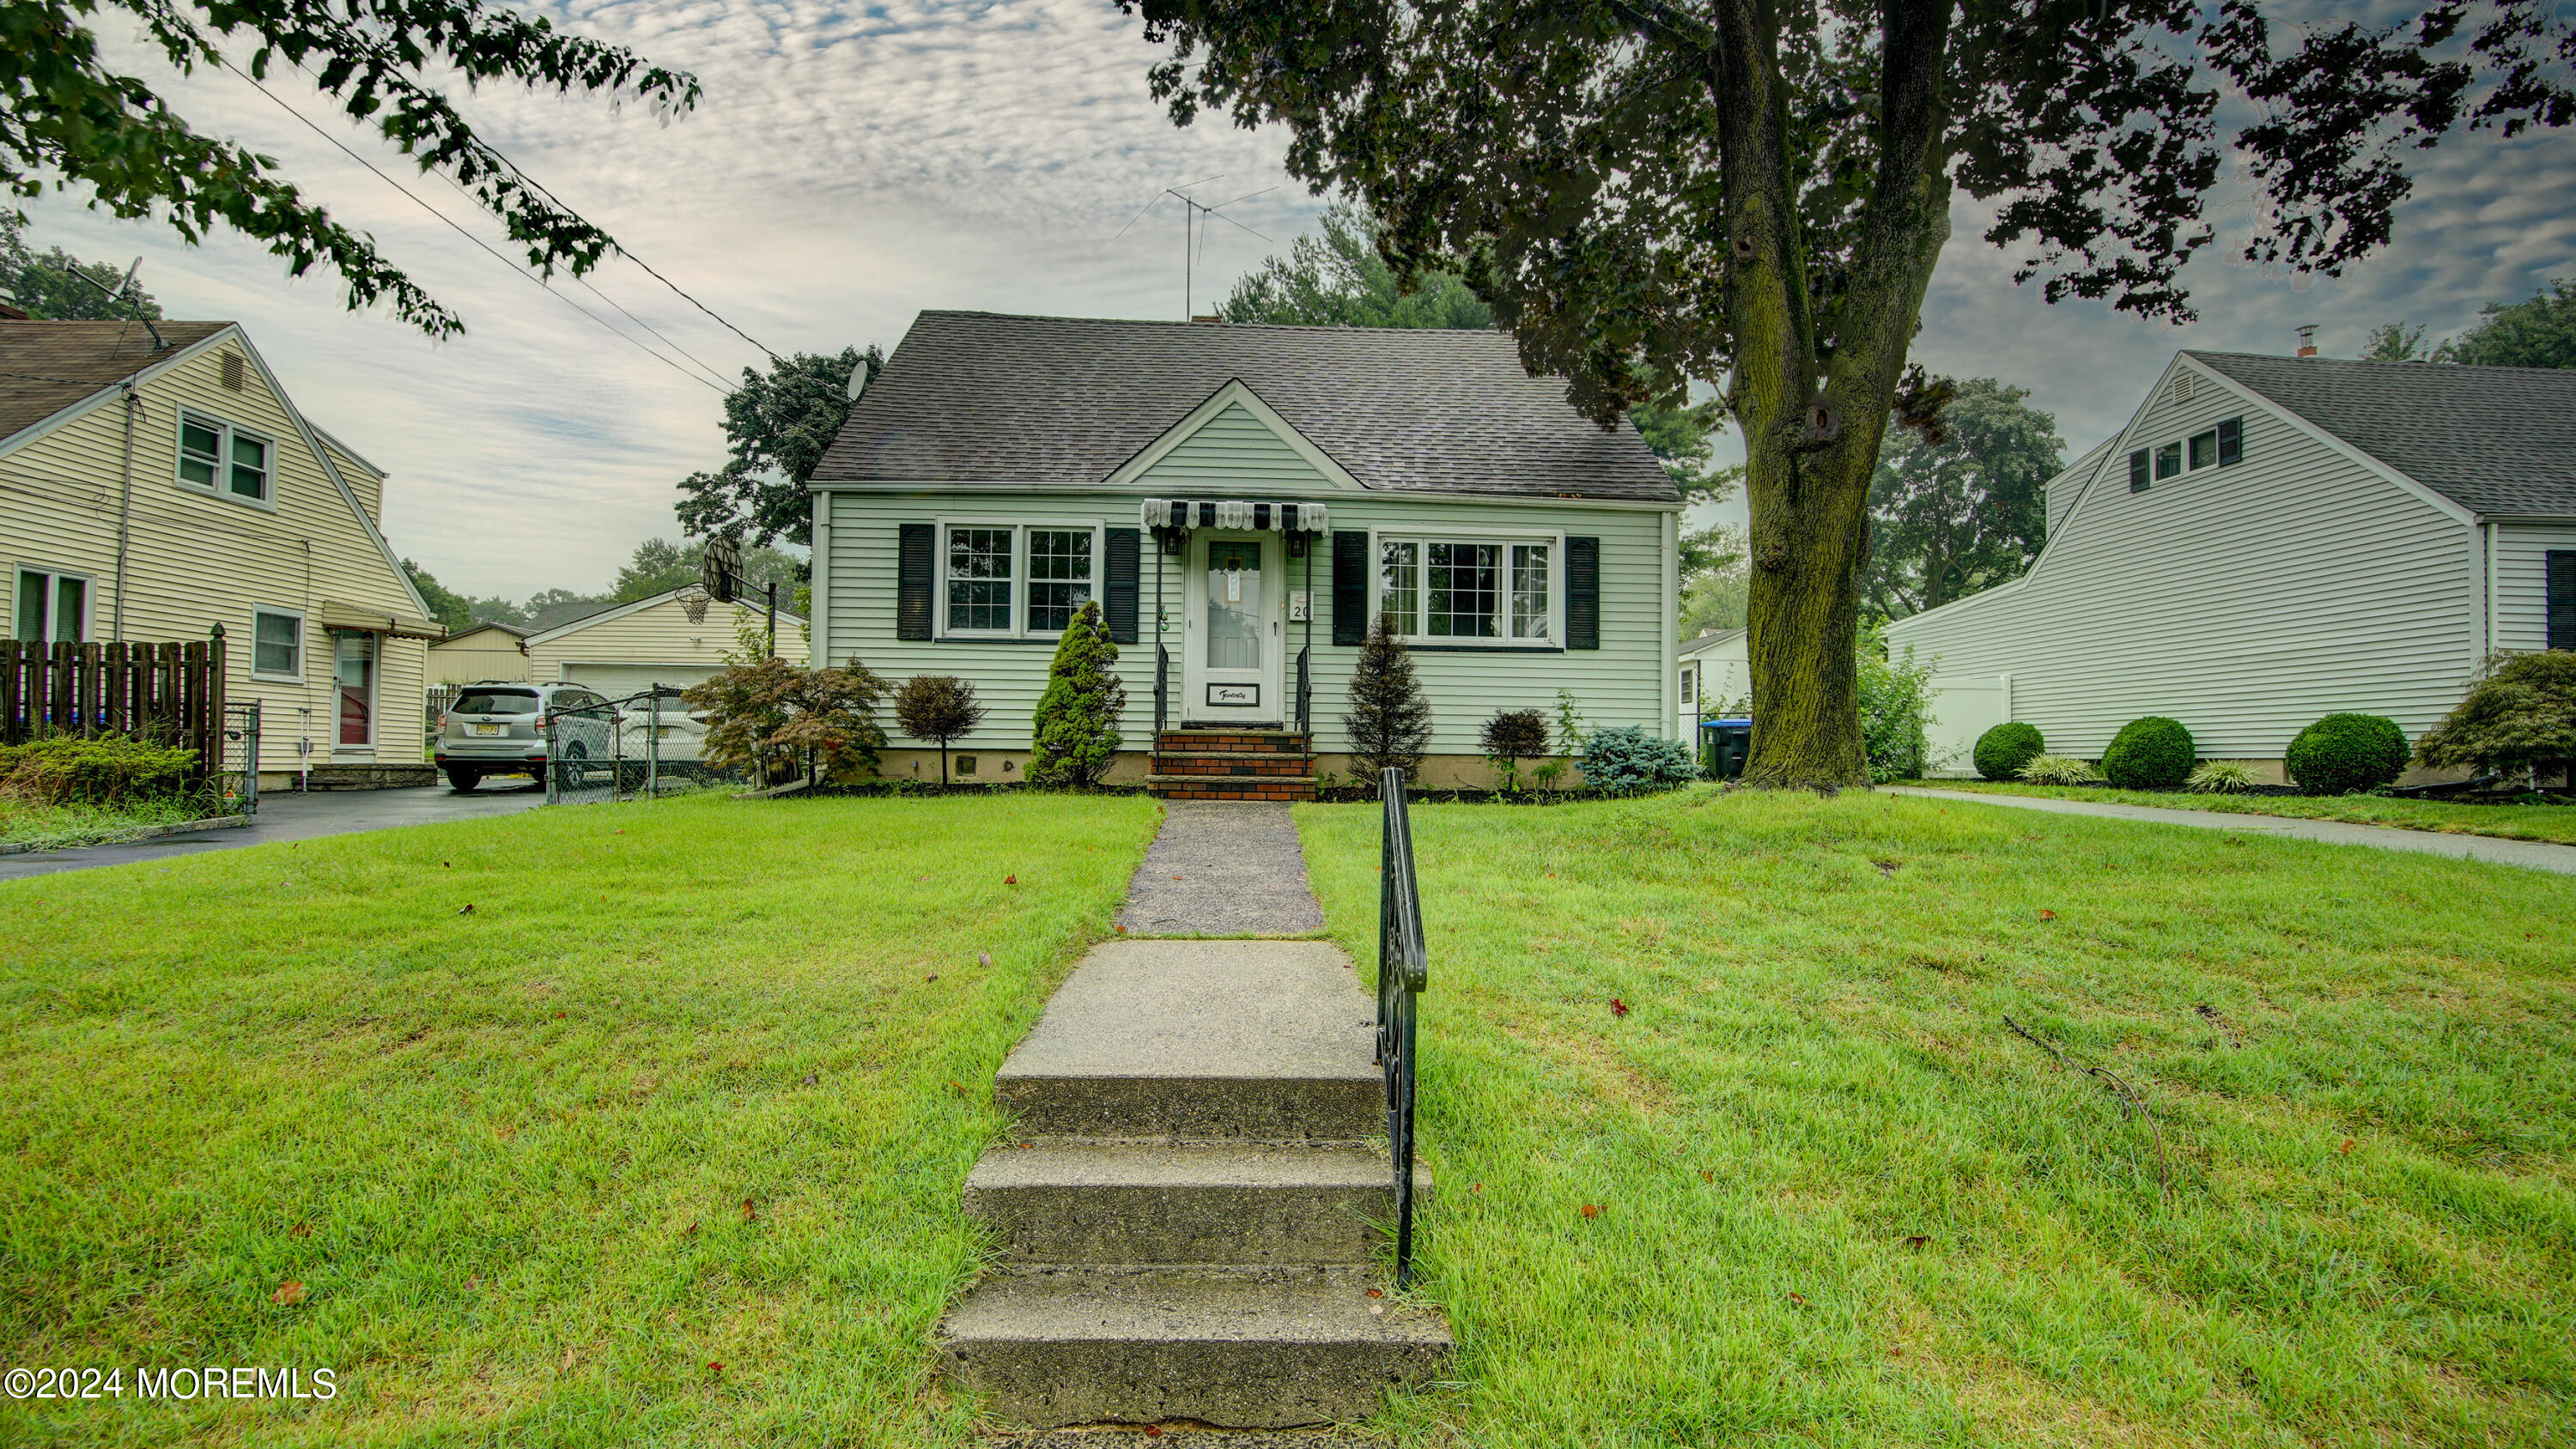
<point x="1231" y="657"/>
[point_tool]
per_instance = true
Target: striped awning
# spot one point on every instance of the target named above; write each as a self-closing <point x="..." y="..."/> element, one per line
<point x="350" y="617"/>
<point x="1236" y="513"/>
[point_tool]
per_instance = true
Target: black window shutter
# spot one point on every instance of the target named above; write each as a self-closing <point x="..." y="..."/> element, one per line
<point x="1583" y="593"/>
<point x="2231" y="442"/>
<point x="1118" y="599"/>
<point x="915" y="560"/>
<point x="1350" y="587"/>
<point x="2138" y="471"/>
<point x="2561" y="573"/>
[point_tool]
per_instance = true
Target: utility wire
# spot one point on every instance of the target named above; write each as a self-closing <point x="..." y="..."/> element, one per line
<point x="469" y="236"/>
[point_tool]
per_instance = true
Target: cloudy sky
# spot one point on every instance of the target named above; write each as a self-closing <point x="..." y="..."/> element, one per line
<point x="851" y="165"/>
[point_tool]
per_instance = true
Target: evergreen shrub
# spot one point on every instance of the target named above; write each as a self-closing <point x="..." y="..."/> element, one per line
<point x="2346" y="754"/>
<point x="2154" y="753"/>
<point x="2003" y="750"/>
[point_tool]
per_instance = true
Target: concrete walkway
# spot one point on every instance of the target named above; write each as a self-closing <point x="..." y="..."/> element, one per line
<point x="1222" y="868"/>
<point x="287" y="815"/>
<point x="2534" y="854"/>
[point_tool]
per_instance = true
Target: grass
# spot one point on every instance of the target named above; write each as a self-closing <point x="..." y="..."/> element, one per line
<point x="1839" y="1204"/>
<point x="58" y="827"/>
<point x="2509" y="822"/>
<point x="695" y="1083"/>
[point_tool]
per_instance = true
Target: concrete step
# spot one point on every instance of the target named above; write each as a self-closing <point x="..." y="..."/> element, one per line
<point x="1201" y="1040"/>
<point x="1253" y="1349"/>
<point x="1287" y="1203"/>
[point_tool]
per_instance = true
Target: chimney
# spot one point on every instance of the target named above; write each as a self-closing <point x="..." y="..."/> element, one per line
<point x="1208" y="317"/>
<point x="2308" y="340"/>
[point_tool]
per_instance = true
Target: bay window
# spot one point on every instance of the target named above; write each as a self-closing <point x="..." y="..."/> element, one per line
<point x="1016" y="580"/>
<point x="1469" y="591"/>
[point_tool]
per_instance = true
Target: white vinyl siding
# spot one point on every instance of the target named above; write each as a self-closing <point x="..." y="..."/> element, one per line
<point x="2521" y="557"/>
<point x="2246" y="601"/>
<point x="658" y="634"/>
<point x="1233" y="454"/>
<point x="1623" y="682"/>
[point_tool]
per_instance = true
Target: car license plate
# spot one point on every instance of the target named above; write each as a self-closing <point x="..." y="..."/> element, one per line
<point x="487" y="729"/>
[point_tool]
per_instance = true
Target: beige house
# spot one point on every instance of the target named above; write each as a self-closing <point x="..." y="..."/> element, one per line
<point x="486" y="651"/>
<point x="676" y="638"/>
<point x="156" y="484"/>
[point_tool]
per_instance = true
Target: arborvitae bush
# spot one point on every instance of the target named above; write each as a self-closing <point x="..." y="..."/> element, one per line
<point x="2003" y="750"/>
<point x="1511" y="736"/>
<point x="1076" y="735"/>
<point x="938" y="708"/>
<point x="2344" y="754"/>
<point x="2154" y="753"/>
<point x="1389" y="723"/>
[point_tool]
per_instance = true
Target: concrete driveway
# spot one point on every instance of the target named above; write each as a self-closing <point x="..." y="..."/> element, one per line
<point x="285" y="815"/>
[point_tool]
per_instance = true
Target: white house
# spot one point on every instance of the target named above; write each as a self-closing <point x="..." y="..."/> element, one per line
<point x="2271" y="540"/>
<point x="1716" y="677"/>
<point x="675" y="638"/>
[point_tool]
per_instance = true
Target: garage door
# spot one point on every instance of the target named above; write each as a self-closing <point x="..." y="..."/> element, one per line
<point x="617" y="681"/>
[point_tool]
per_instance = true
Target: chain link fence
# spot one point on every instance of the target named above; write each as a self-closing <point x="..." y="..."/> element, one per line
<point x="645" y="745"/>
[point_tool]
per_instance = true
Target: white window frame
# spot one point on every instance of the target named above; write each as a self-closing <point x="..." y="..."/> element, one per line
<point x="1019" y="529"/>
<point x="1425" y="537"/>
<point x="53" y="577"/>
<point x="225" y="432"/>
<point x="303" y="648"/>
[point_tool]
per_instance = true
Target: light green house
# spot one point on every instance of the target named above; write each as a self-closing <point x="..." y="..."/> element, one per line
<point x="1242" y="501"/>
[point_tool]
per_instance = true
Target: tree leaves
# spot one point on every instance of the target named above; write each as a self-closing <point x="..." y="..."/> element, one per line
<point x="779" y="426"/>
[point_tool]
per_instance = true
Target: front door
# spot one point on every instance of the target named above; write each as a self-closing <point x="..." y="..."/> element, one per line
<point x="1231" y="655"/>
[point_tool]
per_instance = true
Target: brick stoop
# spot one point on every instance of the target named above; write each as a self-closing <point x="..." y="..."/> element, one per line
<point x="1233" y="764"/>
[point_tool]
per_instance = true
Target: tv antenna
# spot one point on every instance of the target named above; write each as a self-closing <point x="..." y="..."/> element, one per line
<point x="1195" y="215"/>
<point x="117" y="293"/>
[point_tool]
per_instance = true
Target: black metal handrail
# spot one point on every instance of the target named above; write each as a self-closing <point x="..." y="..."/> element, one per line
<point x="1305" y="688"/>
<point x="1403" y="970"/>
<point x="1162" y="677"/>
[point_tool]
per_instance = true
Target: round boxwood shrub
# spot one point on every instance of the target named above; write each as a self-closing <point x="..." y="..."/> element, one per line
<point x="2003" y="750"/>
<point x="2154" y="753"/>
<point x="2347" y="753"/>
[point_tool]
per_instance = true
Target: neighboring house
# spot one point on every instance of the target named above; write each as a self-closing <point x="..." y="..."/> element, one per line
<point x="1242" y="501"/>
<point x="1716" y="677"/>
<point x="676" y="638"/>
<point x="486" y="651"/>
<point x="2272" y="540"/>
<point x="156" y="482"/>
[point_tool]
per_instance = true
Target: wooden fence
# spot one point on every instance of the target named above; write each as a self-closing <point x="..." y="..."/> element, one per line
<point x="171" y="694"/>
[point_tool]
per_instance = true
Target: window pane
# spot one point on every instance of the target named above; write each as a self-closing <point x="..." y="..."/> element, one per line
<point x="31" y="605"/>
<point x="250" y="467"/>
<point x="195" y="437"/>
<point x="979" y="578"/>
<point x="1529" y="591"/>
<point x="69" y="595"/>
<point x="1462" y="591"/>
<point x="1059" y="576"/>
<point x="2204" y="450"/>
<point x="2168" y="460"/>
<point x="1234" y="607"/>
<point x="1400" y="583"/>
<point x="275" y="645"/>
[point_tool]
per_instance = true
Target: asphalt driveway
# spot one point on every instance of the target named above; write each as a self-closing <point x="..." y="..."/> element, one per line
<point x="286" y="815"/>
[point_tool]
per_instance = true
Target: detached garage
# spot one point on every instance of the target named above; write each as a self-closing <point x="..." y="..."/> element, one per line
<point x="675" y="639"/>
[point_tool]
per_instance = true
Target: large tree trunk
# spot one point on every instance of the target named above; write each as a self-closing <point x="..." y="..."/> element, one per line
<point x="1810" y="541"/>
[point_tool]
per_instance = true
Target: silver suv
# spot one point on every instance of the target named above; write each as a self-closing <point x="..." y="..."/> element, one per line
<point x="497" y="727"/>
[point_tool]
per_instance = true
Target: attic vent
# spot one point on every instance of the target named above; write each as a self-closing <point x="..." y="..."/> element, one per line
<point x="236" y="374"/>
<point x="2182" y="389"/>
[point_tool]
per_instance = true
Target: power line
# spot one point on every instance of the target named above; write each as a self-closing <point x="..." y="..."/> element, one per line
<point x="469" y="236"/>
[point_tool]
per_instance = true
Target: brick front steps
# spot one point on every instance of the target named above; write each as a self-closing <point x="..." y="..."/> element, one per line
<point x="1233" y="764"/>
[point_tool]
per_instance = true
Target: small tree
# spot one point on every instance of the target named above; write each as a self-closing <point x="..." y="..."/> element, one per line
<point x="769" y="704"/>
<point x="1895" y="707"/>
<point x="2519" y="716"/>
<point x="1076" y="735"/>
<point x="1511" y="736"/>
<point x="938" y="708"/>
<point x="1389" y="723"/>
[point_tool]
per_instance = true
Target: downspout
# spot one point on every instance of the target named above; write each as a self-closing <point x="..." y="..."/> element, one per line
<point x="125" y="511"/>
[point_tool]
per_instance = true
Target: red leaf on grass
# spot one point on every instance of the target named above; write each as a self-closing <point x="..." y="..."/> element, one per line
<point x="1917" y="1241"/>
<point x="749" y="1211"/>
<point x="1592" y="1210"/>
<point x="1010" y="880"/>
<point x="1479" y="1187"/>
<point x="1797" y="1300"/>
<point x="1707" y="1175"/>
<point x="300" y="1230"/>
<point x="2048" y="915"/>
<point x="714" y="1367"/>
<point x="2346" y="1147"/>
<point x="1618" y="1007"/>
<point x="288" y="1294"/>
<point x="1377" y="1293"/>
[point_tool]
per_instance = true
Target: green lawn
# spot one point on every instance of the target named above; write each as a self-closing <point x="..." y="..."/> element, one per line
<point x="1840" y="1204"/>
<point x="694" y="1083"/>
<point x="2510" y="822"/>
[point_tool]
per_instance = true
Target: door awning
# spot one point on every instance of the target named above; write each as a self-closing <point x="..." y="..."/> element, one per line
<point x="336" y="615"/>
<point x="1236" y="513"/>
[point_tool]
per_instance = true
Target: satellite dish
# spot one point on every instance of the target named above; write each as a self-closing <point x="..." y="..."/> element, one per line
<point x="858" y="379"/>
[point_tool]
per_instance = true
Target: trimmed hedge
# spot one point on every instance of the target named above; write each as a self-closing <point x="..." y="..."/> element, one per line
<point x="2003" y="750"/>
<point x="101" y="770"/>
<point x="2347" y="754"/>
<point x="2154" y="753"/>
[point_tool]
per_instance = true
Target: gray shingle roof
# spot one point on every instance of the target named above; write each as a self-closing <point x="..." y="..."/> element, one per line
<point x="46" y="367"/>
<point x="2498" y="440"/>
<point x="985" y="398"/>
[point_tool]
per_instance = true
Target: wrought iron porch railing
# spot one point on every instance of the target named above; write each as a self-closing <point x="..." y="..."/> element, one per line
<point x="1305" y="688"/>
<point x="1403" y="971"/>
<point x="1162" y="677"/>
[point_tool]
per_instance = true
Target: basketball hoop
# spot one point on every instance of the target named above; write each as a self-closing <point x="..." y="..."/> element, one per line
<point x="723" y="569"/>
<point x="694" y="600"/>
